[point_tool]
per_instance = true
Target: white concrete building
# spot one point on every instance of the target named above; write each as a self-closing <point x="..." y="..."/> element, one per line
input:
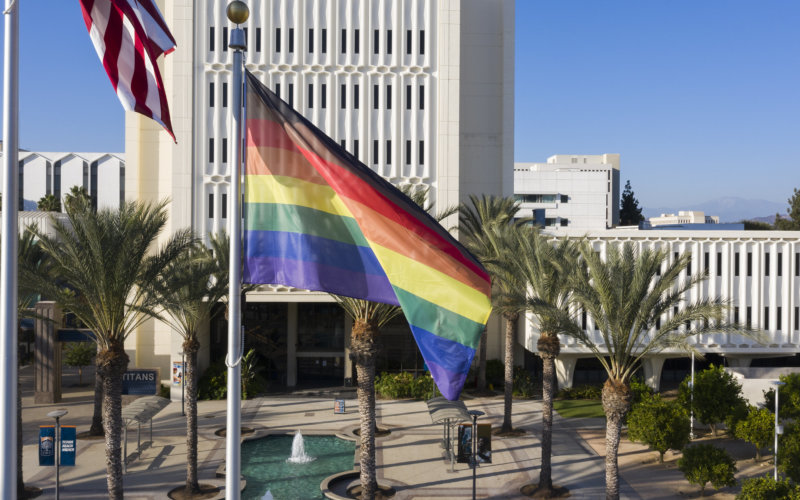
<point x="101" y="174"/>
<point x="422" y="91"/>
<point x="757" y="271"/>
<point x="683" y="217"/>
<point x="578" y="192"/>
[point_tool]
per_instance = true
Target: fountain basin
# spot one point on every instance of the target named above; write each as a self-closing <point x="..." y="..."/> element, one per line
<point x="265" y="466"/>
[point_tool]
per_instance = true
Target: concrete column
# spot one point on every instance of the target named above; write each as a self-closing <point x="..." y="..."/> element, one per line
<point x="348" y="363"/>
<point x="291" y="344"/>
<point x="565" y="369"/>
<point x="47" y="353"/>
<point x="652" y="366"/>
<point x="739" y="361"/>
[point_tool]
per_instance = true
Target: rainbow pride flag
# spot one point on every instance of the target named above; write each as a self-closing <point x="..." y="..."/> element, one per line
<point x="318" y="219"/>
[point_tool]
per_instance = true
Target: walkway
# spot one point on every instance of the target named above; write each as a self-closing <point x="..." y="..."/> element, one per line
<point x="410" y="458"/>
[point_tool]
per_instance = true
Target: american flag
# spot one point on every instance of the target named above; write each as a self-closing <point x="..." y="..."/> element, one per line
<point x="129" y="35"/>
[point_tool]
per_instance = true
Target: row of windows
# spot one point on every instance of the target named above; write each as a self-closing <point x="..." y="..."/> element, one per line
<point x="542" y="198"/>
<point x="343" y="143"/>
<point x="749" y="265"/>
<point x="323" y="96"/>
<point x="323" y="40"/>
<point x="388" y="151"/>
<point x="223" y="206"/>
<point x="736" y="319"/>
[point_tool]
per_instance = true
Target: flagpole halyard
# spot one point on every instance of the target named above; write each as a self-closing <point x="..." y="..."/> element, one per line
<point x="238" y="13"/>
<point x="8" y="268"/>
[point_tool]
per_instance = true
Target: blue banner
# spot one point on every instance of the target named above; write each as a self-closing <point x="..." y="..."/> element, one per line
<point x="68" y="444"/>
<point x="47" y="445"/>
<point x="140" y="381"/>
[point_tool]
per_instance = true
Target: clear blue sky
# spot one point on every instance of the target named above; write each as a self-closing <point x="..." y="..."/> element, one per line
<point x="700" y="97"/>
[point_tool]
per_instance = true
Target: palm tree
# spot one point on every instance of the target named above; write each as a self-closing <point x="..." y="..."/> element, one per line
<point x="543" y="269"/>
<point x="488" y="226"/>
<point x="49" y="203"/>
<point x="77" y="199"/>
<point x="188" y="293"/>
<point x="626" y="295"/>
<point x="31" y="260"/>
<point x="368" y="318"/>
<point x="106" y="269"/>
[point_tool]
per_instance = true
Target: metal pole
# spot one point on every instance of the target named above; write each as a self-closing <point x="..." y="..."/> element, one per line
<point x="8" y="268"/>
<point x="238" y="14"/>
<point x="691" y="403"/>
<point x="183" y="382"/>
<point x="58" y="457"/>
<point x="474" y="461"/>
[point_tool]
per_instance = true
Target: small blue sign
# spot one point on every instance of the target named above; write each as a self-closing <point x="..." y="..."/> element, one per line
<point x="47" y="445"/>
<point x="68" y="444"/>
<point x="140" y="381"/>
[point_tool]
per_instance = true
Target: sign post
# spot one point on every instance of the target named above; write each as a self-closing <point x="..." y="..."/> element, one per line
<point x="57" y="414"/>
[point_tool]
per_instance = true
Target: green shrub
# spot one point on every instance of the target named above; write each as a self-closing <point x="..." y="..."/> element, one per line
<point x="789" y="400"/>
<point x="766" y="488"/>
<point x="789" y="452"/>
<point x="704" y="463"/>
<point x="495" y="373"/>
<point x="639" y="390"/>
<point x="580" y="392"/>
<point x="214" y="382"/>
<point x="757" y="428"/>
<point x="717" y="396"/>
<point x="524" y="386"/>
<point x="661" y="425"/>
<point x="403" y="385"/>
<point x="163" y="391"/>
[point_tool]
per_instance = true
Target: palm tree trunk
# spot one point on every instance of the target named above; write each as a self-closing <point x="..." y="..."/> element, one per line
<point x="616" y="402"/>
<point x="480" y="383"/>
<point x="111" y="365"/>
<point x="97" y="416"/>
<point x="190" y="347"/>
<point x="549" y="349"/>
<point x="363" y="348"/>
<point x="511" y="330"/>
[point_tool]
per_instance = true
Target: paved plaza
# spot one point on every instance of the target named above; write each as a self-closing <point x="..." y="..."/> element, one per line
<point x="411" y="458"/>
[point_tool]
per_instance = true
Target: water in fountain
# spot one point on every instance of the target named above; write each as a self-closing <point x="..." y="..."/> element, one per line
<point x="299" y="451"/>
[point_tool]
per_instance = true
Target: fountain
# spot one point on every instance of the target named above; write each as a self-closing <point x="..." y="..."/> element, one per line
<point x="299" y="451"/>
<point x="265" y="467"/>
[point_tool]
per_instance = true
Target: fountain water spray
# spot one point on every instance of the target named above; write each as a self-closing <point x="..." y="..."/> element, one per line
<point x="299" y="451"/>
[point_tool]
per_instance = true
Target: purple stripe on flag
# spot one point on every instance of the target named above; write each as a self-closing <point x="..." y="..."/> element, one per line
<point x="320" y="277"/>
<point x="447" y="360"/>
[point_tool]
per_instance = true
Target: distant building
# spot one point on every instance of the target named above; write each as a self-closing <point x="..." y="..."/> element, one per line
<point x="101" y="174"/>
<point x="578" y="192"/>
<point x="684" y="217"/>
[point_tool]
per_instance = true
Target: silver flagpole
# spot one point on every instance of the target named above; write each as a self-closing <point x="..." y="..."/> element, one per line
<point x="238" y="14"/>
<point x="8" y="272"/>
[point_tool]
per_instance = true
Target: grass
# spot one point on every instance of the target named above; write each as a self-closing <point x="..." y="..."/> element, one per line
<point x="579" y="408"/>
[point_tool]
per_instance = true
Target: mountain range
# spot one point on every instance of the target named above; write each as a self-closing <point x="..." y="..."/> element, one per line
<point x="728" y="209"/>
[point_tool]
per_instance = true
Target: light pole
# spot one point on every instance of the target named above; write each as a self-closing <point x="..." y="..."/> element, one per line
<point x="778" y="429"/>
<point x="474" y="459"/>
<point x="57" y="414"/>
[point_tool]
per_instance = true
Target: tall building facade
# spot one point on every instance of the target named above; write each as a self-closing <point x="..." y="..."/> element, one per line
<point x="757" y="272"/>
<point x="569" y="192"/>
<point x="421" y="91"/>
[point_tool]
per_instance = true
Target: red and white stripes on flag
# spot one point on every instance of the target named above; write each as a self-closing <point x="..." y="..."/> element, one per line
<point x="129" y="35"/>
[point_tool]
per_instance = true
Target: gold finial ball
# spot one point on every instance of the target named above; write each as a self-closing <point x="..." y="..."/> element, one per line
<point x="238" y="12"/>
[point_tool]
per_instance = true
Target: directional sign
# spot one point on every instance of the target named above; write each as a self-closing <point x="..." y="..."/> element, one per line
<point x="68" y="442"/>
